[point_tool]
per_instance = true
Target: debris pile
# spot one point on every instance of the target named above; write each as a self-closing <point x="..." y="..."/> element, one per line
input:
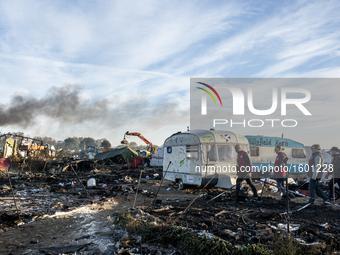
<point x="38" y="194"/>
<point x="253" y="221"/>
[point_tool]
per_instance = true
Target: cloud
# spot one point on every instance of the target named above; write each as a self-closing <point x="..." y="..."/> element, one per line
<point x="285" y="39"/>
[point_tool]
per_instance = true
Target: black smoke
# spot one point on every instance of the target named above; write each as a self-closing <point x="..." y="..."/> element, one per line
<point x="62" y="104"/>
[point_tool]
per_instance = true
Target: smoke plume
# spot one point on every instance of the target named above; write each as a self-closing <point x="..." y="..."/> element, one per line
<point x="63" y="104"/>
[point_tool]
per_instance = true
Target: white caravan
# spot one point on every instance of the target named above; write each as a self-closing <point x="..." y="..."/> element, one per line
<point x="197" y="155"/>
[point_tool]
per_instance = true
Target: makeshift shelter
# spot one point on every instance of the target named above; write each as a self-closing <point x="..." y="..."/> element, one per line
<point x="157" y="158"/>
<point x="119" y="156"/>
<point x="134" y="163"/>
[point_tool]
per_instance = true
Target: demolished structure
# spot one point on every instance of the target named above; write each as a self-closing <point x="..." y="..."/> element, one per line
<point x="89" y="192"/>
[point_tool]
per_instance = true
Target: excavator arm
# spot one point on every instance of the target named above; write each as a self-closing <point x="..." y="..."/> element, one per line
<point x="124" y="141"/>
<point x="140" y="136"/>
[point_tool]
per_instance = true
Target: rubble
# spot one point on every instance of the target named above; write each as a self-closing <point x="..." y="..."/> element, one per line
<point x="38" y="194"/>
<point x="250" y="222"/>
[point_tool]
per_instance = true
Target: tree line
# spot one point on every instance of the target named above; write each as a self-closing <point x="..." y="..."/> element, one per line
<point x="75" y="143"/>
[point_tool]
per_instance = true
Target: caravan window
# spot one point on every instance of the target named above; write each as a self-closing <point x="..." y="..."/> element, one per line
<point x="209" y="152"/>
<point x="192" y="151"/>
<point x="226" y="153"/>
<point x="243" y="147"/>
<point x="298" y="153"/>
<point x="254" y="151"/>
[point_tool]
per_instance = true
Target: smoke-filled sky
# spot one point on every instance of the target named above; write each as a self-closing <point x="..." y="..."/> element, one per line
<point x="101" y="68"/>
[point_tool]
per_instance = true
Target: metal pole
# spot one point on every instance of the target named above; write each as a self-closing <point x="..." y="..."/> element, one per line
<point x="140" y="176"/>
<point x="45" y="165"/>
<point x="265" y="179"/>
<point x="333" y="188"/>
<point x="287" y="199"/>
<point x="161" y="182"/>
<point x="82" y="184"/>
<point x="10" y="184"/>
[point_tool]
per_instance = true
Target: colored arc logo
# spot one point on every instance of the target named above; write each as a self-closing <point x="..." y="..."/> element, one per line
<point x="213" y="90"/>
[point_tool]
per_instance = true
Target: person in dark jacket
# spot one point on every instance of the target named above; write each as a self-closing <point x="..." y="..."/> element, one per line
<point x="336" y="171"/>
<point x="244" y="169"/>
<point x="315" y="172"/>
<point x="280" y="169"/>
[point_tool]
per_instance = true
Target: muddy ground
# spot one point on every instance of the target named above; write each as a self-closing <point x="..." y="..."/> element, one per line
<point x="52" y="215"/>
<point x="55" y="214"/>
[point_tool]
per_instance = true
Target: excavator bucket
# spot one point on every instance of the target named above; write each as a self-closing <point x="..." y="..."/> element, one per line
<point x="124" y="141"/>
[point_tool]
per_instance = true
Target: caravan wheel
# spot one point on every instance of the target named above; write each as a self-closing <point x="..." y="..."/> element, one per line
<point x="181" y="185"/>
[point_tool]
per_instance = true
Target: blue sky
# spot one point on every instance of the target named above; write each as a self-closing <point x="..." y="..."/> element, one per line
<point x="138" y="56"/>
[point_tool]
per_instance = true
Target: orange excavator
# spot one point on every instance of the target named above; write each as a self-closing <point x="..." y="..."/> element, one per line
<point x="151" y="148"/>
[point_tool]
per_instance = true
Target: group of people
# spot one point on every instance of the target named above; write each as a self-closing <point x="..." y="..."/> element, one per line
<point x="314" y="172"/>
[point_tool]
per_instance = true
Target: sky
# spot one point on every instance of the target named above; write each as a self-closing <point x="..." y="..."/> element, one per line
<point x="101" y="68"/>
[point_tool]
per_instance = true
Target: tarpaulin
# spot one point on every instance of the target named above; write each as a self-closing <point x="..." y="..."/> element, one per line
<point x="119" y="156"/>
<point x="5" y="163"/>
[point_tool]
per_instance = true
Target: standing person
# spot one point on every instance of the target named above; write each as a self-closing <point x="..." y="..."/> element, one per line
<point x="315" y="172"/>
<point x="280" y="170"/>
<point x="244" y="169"/>
<point x="336" y="171"/>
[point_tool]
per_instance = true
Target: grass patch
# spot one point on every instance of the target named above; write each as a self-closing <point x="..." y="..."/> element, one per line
<point x="125" y="219"/>
<point x="286" y="245"/>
